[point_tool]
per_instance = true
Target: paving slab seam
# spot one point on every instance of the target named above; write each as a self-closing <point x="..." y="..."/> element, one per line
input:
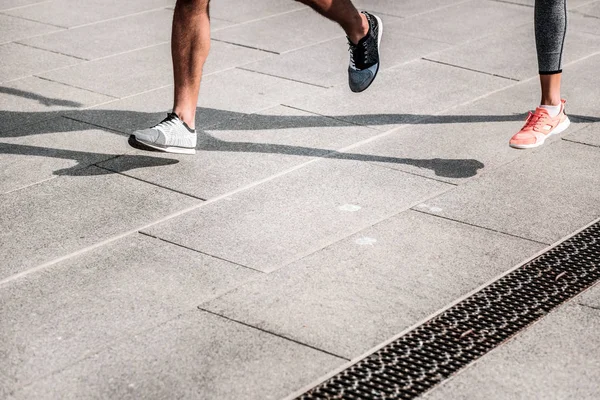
<point x="26" y="5"/>
<point x="481" y="227"/>
<point x="273" y="333"/>
<point x="245" y="46"/>
<point x="29" y="185"/>
<point x="469" y="69"/>
<point x="431" y="316"/>
<point x="429" y="11"/>
<point x="582" y="143"/>
<point x="513" y="3"/>
<point x="117" y="18"/>
<point x="32" y="36"/>
<point x="61" y="28"/>
<point x="576" y="11"/>
<point x="281" y="77"/>
<point x="300" y="8"/>
<point x="200" y="252"/>
<point x="73" y="86"/>
<point x="142" y="180"/>
<point x="51" y="51"/>
<point x="375" y="164"/>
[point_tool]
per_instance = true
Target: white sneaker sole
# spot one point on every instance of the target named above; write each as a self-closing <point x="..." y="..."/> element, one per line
<point x="168" y="149"/>
<point x="559" y="129"/>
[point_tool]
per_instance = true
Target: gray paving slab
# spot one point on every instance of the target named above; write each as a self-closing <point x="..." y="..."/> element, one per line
<point x="583" y="22"/>
<point x="327" y="62"/>
<point x="72" y="13"/>
<point x="357" y="293"/>
<point x="244" y="11"/>
<point x="151" y="68"/>
<point x="59" y="316"/>
<point x="285" y="219"/>
<point x="403" y="94"/>
<point x="195" y="356"/>
<point x="463" y="142"/>
<point x="110" y="37"/>
<point x="44" y="222"/>
<point x="31" y="100"/>
<point x="544" y="197"/>
<point x="467" y="21"/>
<point x="237" y="153"/>
<point x="8" y="4"/>
<point x="591" y="298"/>
<point x="12" y="29"/>
<point x="578" y="78"/>
<point x="58" y="147"/>
<point x="590" y="9"/>
<point x="518" y="58"/>
<point x="224" y="96"/>
<point x="557" y="358"/>
<point x="589" y="135"/>
<point x="404" y="8"/>
<point x="18" y="61"/>
<point x="283" y="32"/>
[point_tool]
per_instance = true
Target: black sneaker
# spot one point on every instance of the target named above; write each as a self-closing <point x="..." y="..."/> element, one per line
<point x="364" y="56"/>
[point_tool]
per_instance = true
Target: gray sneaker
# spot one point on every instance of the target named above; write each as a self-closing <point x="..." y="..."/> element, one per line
<point x="171" y="135"/>
<point x="364" y="56"/>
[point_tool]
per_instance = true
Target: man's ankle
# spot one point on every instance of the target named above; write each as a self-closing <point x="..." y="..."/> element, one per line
<point x="361" y="31"/>
<point x="187" y="117"/>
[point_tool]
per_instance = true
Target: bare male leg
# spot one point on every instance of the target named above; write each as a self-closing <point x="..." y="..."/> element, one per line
<point x="190" y="45"/>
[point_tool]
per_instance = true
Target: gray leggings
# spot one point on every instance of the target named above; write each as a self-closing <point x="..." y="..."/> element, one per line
<point x="550" y="31"/>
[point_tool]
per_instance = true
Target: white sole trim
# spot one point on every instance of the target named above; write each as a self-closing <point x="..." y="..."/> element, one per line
<point x="168" y="149"/>
<point x="542" y="138"/>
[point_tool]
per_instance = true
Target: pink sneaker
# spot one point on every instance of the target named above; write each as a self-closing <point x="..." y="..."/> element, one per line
<point x="538" y="127"/>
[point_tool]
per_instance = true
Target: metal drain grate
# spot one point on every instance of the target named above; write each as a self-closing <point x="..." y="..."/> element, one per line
<point x="419" y="360"/>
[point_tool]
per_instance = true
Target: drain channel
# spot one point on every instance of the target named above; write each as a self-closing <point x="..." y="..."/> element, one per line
<point x="419" y="360"/>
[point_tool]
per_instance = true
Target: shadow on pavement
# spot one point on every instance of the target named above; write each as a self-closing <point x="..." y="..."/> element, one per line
<point x="222" y="120"/>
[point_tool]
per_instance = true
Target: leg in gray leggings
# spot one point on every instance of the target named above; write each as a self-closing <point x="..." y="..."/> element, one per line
<point x="550" y="31"/>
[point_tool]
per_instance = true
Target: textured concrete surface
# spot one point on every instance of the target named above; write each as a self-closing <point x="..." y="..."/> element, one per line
<point x="354" y="294"/>
<point x="557" y="358"/>
<point x="96" y="288"/>
<point x="312" y="224"/>
<point x="197" y="355"/>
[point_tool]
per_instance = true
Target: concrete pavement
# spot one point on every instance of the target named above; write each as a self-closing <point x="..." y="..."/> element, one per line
<point x="312" y="225"/>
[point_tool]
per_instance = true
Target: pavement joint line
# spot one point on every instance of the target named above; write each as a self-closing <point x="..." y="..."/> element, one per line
<point x="300" y="8"/>
<point x="73" y="86"/>
<point x="117" y="18"/>
<point x="282" y="77"/>
<point x="25" y="6"/>
<point x="272" y="333"/>
<point x="29" y="185"/>
<point x="513" y="3"/>
<point x="60" y="27"/>
<point x="243" y="188"/>
<point x="50" y="51"/>
<point x="581" y="143"/>
<point x="200" y="252"/>
<point x="433" y="315"/>
<point x="244" y="46"/>
<point x="470" y="69"/>
<point x="588" y="306"/>
<point x="139" y="179"/>
<point x="376" y="164"/>
<point x="92" y="124"/>
<point x="481" y="227"/>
